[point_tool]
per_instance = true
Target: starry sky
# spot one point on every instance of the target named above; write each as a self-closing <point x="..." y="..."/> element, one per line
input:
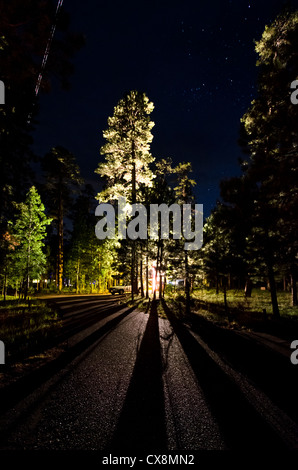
<point x="194" y="59"/>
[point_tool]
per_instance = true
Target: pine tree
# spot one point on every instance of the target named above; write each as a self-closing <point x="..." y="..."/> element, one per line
<point x="88" y="261"/>
<point x="184" y="195"/>
<point x="216" y="252"/>
<point x="272" y="139"/>
<point x="158" y="250"/>
<point x="62" y="180"/>
<point x="127" y="150"/>
<point x="29" y="231"/>
<point x="126" y="167"/>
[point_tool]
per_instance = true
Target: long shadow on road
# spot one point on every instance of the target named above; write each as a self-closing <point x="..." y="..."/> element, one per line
<point x="242" y="427"/>
<point x="141" y="426"/>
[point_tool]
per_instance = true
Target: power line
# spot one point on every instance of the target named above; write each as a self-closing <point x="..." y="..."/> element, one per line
<point x="48" y="47"/>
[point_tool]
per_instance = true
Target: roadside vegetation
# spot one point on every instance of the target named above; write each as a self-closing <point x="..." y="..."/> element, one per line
<point x="239" y="312"/>
<point x="27" y="328"/>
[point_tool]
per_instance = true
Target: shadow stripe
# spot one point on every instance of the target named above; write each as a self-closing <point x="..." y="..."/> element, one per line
<point x="241" y="425"/>
<point x="141" y="425"/>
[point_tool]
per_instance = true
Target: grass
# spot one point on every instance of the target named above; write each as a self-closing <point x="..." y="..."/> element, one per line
<point x="207" y="299"/>
<point x="260" y="300"/>
<point x="241" y="313"/>
<point x="26" y="329"/>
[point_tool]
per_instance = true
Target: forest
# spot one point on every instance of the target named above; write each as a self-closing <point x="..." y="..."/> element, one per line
<point x="47" y="220"/>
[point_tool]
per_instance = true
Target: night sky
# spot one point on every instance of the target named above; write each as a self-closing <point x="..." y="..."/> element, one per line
<point x="194" y="59"/>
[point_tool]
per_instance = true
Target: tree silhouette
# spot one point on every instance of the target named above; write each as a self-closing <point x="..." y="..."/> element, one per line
<point x="62" y="180"/>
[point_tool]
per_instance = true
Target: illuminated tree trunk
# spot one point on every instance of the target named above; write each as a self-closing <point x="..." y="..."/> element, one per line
<point x="133" y="180"/>
<point x="159" y="270"/>
<point x="132" y="272"/>
<point x="294" y="287"/>
<point x="77" y="277"/>
<point x="5" y="284"/>
<point x="187" y="284"/>
<point x="141" y="275"/>
<point x="156" y="271"/>
<point x="60" y="242"/>
<point x="164" y="284"/>
<point x="160" y="285"/>
<point x="147" y="275"/>
<point x="248" y="288"/>
<point x="27" y="276"/>
<point x="137" y="273"/>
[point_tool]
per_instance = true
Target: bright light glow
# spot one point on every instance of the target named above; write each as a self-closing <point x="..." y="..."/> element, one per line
<point x="153" y="279"/>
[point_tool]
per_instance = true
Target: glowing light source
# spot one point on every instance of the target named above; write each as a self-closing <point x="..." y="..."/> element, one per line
<point x="153" y="279"/>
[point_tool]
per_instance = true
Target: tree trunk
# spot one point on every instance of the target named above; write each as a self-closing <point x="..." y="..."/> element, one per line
<point x="294" y="288"/>
<point x="5" y="284"/>
<point x="133" y="175"/>
<point x="156" y="271"/>
<point x="272" y="284"/>
<point x="26" y="287"/>
<point x="187" y="284"/>
<point x="133" y="200"/>
<point x="225" y="285"/>
<point x="160" y="273"/>
<point x="147" y="277"/>
<point x="248" y="288"/>
<point x="271" y="279"/>
<point x="27" y="270"/>
<point x="77" y="277"/>
<point x="225" y="294"/>
<point x="141" y="275"/>
<point x="132" y="272"/>
<point x="160" y="285"/>
<point x="60" y="248"/>
<point x="284" y="283"/>
<point x="136" y="274"/>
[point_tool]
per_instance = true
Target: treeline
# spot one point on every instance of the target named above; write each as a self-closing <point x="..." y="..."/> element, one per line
<point x="252" y="233"/>
<point x="49" y="241"/>
<point x="48" y="228"/>
<point x="131" y="172"/>
<point x="24" y="219"/>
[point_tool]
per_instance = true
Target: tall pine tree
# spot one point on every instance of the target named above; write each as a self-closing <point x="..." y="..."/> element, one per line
<point x="28" y="260"/>
<point x="62" y="180"/>
<point x="127" y="149"/>
<point x="272" y="139"/>
<point x="127" y="156"/>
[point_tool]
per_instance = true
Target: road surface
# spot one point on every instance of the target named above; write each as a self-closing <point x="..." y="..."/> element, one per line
<point x="142" y="383"/>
